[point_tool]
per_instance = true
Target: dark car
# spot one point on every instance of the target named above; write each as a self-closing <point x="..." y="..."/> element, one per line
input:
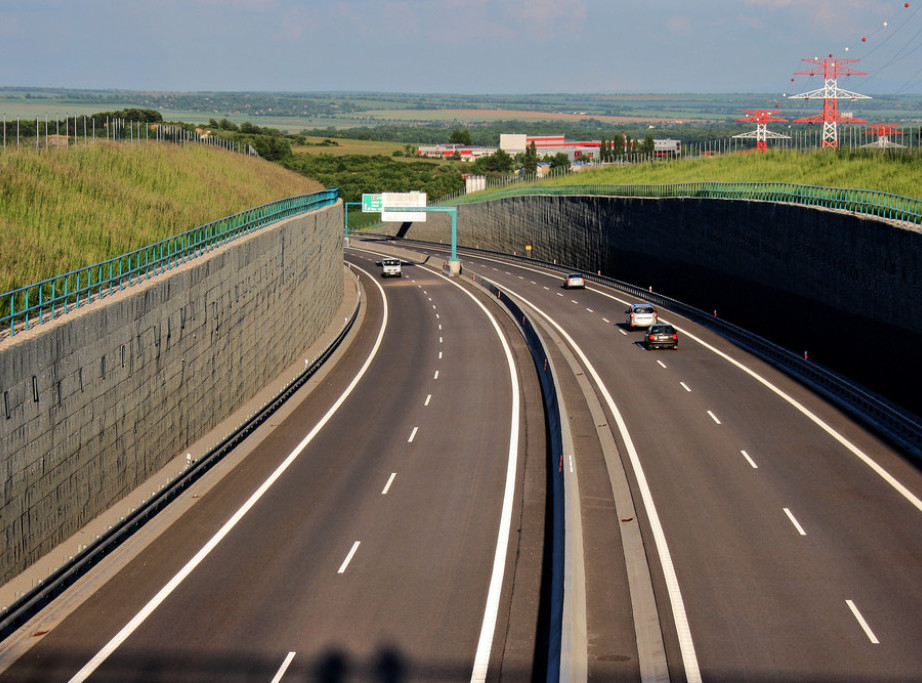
<point x="662" y="337"/>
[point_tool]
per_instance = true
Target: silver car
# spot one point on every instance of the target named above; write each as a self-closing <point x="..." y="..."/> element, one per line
<point x="640" y="315"/>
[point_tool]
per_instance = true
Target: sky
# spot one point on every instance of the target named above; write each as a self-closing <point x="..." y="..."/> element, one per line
<point x="458" y="46"/>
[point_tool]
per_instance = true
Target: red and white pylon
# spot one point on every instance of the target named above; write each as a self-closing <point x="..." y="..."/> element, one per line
<point x="830" y="69"/>
<point x="883" y="131"/>
<point x="762" y="117"/>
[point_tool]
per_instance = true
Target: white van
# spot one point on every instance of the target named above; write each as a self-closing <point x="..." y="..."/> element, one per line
<point x="390" y="267"/>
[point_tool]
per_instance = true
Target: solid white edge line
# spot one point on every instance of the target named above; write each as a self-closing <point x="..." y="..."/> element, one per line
<point x="491" y="609"/>
<point x="794" y="521"/>
<point x="387" y="486"/>
<point x="864" y="625"/>
<point x="683" y="632"/>
<point x="345" y="564"/>
<point x="183" y="573"/>
<point x="281" y="672"/>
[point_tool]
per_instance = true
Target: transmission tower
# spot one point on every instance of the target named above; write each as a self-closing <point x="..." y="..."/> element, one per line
<point x="761" y="133"/>
<point x="830" y="69"/>
<point x="883" y="131"/>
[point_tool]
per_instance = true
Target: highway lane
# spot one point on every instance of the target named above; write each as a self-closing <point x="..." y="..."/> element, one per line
<point x="370" y="556"/>
<point x="794" y="558"/>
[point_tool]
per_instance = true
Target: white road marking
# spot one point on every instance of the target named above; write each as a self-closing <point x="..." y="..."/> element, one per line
<point x="661" y="364"/>
<point x="440" y="326"/>
<point x="559" y="293"/>
<point x="433" y="305"/>
<point x="342" y="567"/>
<point x="548" y="288"/>
<point x="751" y="461"/>
<point x="590" y="310"/>
<point x="685" y="386"/>
<point x="574" y="301"/>
<point x="436" y="375"/>
<point x="572" y="465"/>
<point x="606" y="320"/>
<point x="413" y="434"/>
<point x="281" y="672"/>
<point x="200" y="556"/>
<point x="674" y="592"/>
<point x="794" y="521"/>
<point x="491" y="609"/>
<point x="622" y="332"/>
<point x="713" y="417"/>
<point x="428" y="398"/>
<point x="440" y="355"/>
<point x="387" y="486"/>
<point x="864" y="625"/>
<point x="437" y="316"/>
<point x="440" y="340"/>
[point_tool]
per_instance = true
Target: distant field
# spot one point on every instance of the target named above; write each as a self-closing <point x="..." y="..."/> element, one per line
<point x="346" y="146"/>
<point x="490" y="115"/>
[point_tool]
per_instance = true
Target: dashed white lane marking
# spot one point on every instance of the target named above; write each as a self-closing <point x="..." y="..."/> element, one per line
<point x="228" y="526"/>
<point x="661" y="364"/>
<point x="433" y="305"/>
<point x="436" y="375"/>
<point x="750" y="460"/>
<point x="559" y="294"/>
<point x="440" y="326"/>
<point x="342" y="567"/>
<point x="606" y="320"/>
<point x="548" y="288"/>
<point x="413" y="434"/>
<point x="864" y="624"/>
<point x="440" y="340"/>
<point x="282" y="669"/>
<point x="622" y="332"/>
<point x="574" y="301"/>
<point x="440" y="355"/>
<point x="590" y="310"/>
<point x="713" y="417"/>
<point x="794" y="521"/>
<point x="428" y="398"/>
<point x="685" y="386"/>
<point x="436" y="315"/>
<point x="387" y="486"/>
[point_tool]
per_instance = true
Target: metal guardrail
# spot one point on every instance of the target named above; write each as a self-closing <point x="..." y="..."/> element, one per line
<point x="43" y="301"/>
<point x="864" y="202"/>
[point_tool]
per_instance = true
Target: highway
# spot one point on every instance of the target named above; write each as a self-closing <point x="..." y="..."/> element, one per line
<point x="369" y="534"/>
<point x="734" y="525"/>
<point x="784" y="541"/>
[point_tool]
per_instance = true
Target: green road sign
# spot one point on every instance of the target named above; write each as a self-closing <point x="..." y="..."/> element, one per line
<point x="372" y="203"/>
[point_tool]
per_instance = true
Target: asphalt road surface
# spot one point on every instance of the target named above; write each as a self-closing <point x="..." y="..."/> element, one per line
<point x="366" y="536"/>
<point x="784" y="541"/>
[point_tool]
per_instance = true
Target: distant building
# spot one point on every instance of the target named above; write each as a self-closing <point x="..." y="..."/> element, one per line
<point x="465" y="152"/>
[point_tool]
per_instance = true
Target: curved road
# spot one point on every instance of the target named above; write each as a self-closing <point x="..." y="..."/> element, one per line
<point x="365" y="537"/>
<point x="791" y="539"/>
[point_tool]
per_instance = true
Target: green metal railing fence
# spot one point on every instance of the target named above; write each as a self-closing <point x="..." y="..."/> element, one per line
<point x="866" y="202"/>
<point x="51" y="298"/>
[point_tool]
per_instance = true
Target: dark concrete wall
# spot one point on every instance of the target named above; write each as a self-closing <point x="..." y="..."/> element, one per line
<point x="99" y="400"/>
<point x="840" y="286"/>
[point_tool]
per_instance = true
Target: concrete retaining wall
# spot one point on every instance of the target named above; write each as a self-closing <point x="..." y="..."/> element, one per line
<point x="99" y="400"/>
<point x="831" y="283"/>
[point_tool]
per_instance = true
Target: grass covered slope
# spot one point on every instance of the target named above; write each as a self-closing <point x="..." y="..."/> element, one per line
<point x="61" y="209"/>
<point x="899" y="174"/>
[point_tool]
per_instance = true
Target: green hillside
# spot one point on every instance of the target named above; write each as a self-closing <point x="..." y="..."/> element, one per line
<point x="61" y="209"/>
<point x="899" y="174"/>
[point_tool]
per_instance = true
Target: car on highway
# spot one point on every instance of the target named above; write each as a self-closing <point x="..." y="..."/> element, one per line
<point x="574" y="280"/>
<point x="661" y="336"/>
<point x="390" y="267"/>
<point x="640" y="315"/>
